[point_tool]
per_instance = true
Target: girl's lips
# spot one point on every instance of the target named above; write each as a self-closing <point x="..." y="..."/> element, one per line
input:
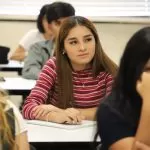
<point x="85" y="54"/>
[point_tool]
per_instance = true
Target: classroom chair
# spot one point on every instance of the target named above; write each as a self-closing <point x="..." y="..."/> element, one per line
<point x="3" y="54"/>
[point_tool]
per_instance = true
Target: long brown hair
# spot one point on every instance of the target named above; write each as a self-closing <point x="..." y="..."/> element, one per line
<point x="4" y="125"/>
<point x="100" y="62"/>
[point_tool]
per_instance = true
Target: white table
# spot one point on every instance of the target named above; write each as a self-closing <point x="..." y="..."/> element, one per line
<point x="52" y="138"/>
<point x="17" y="85"/>
<point x="37" y="133"/>
<point x="12" y="66"/>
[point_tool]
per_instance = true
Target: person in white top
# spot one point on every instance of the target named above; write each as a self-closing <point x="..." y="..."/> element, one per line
<point x="13" y="129"/>
<point x="42" y="33"/>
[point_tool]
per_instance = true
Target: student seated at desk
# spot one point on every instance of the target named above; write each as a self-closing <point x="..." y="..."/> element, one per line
<point x="71" y="86"/>
<point x="124" y="117"/>
<point x="42" y="33"/>
<point x="13" y="130"/>
<point x="40" y="52"/>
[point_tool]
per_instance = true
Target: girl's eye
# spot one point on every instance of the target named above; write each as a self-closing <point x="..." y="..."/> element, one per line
<point x="88" y="39"/>
<point x="73" y="42"/>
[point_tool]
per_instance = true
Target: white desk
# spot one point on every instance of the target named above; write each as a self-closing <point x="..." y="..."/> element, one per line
<point x="17" y="85"/>
<point x="12" y="66"/>
<point x="37" y="133"/>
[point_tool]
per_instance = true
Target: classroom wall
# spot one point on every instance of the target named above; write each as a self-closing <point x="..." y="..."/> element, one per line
<point x="113" y="36"/>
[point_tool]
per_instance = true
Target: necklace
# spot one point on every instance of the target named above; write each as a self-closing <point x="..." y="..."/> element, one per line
<point x="83" y="78"/>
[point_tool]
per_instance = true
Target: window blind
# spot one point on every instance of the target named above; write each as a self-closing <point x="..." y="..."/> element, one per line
<point x="89" y="8"/>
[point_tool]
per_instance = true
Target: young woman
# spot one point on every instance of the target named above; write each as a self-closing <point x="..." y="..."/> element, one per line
<point x="12" y="127"/>
<point x="71" y="86"/>
<point x="123" y="118"/>
<point x="42" y="33"/>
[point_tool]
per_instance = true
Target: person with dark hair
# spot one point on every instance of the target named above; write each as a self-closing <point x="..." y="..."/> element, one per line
<point x="42" y="33"/>
<point x="123" y="117"/>
<point x="72" y="84"/>
<point x="57" y="13"/>
<point x="40" y="52"/>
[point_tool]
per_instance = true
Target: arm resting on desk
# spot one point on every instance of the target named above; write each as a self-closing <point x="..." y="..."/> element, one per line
<point x="19" y="54"/>
<point x="57" y="115"/>
<point x="89" y="113"/>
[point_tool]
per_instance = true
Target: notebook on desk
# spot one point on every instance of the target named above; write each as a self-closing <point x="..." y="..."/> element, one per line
<point x="85" y="123"/>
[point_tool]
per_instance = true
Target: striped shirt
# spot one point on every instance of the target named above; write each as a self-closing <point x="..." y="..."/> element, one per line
<point x="87" y="91"/>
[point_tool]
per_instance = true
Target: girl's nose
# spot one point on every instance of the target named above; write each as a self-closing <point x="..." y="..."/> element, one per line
<point x="82" y="47"/>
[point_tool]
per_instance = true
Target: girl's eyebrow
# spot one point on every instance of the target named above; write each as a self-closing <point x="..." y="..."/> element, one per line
<point x="74" y="38"/>
<point x="89" y="35"/>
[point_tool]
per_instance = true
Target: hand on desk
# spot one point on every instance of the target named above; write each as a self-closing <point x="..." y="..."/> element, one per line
<point x="43" y="110"/>
<point x="57" y="115"/>
<point x="75" y="115"/>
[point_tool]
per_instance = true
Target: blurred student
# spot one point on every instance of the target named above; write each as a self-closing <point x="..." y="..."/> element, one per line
<point x="72" y="84"/>
<point x="13" y="130"/>
<point x="124" y="116"/>
<point x="42" y="33"/>
<point x="40" y="52"/>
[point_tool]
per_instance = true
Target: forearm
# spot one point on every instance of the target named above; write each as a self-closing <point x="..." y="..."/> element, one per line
<point x="89" y="113"/>
<point x="40" y="112"/>
<point x="27" y="110"/>
<point x="19" y="54"/>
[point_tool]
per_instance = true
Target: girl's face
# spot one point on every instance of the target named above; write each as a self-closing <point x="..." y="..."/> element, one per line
<point x="80" y="47"/>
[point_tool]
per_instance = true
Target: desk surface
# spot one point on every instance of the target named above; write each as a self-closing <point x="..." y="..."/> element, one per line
<point x="37" y="133"/>
<point x="17" y="85"/>
<point x="12" y="64"/>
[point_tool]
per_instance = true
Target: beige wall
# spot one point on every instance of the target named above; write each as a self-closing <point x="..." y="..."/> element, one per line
<point x="113" y="36"/>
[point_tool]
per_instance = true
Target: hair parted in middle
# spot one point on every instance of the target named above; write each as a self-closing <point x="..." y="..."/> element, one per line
<point x="100" y="62"/>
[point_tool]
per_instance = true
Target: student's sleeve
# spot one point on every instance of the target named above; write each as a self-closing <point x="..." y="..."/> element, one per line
<point x="39" y="94"/>
<point x="33" y="62"/>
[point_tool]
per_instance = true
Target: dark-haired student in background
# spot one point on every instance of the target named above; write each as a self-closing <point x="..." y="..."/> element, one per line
<point x="40" y="52"/>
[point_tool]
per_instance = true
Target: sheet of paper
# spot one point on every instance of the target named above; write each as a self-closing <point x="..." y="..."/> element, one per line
<point x="85" y="123"/>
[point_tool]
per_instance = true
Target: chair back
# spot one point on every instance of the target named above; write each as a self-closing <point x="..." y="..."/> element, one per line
<point x="3" y="54"/>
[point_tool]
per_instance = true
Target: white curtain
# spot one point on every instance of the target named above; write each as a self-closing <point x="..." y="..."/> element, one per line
<point x="89" y="8"/>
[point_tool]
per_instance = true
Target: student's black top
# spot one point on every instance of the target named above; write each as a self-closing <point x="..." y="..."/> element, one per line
<point x="112" y="125"/>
